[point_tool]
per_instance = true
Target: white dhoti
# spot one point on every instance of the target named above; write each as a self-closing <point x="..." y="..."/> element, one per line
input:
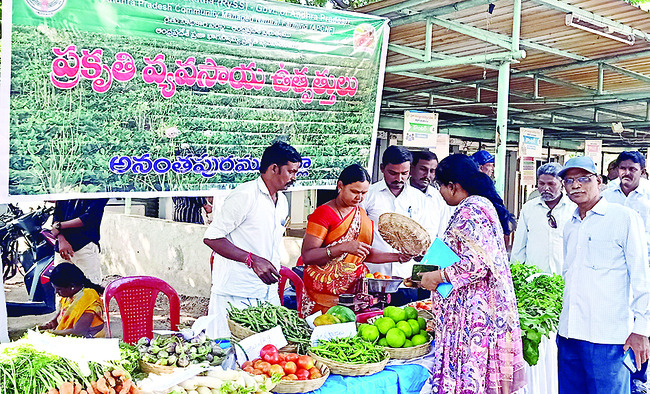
<point x="542" y="378"/>
<point x="218" y="307"/>
<point x="88" y="261"/>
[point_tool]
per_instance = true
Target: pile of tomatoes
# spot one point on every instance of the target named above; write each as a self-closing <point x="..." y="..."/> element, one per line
<point x="290" y="366"/>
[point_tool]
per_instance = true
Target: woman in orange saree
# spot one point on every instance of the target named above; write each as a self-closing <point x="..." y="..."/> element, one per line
<point x="337" y="242"/>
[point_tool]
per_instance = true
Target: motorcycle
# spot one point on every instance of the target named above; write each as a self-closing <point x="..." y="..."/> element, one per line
<point x="26" y="248"/>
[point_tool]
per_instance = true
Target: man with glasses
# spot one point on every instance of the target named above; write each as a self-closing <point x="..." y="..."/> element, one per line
<point x="538" y="241"/>
<point x="629" y="191"/>
<point x="606" y="303"/>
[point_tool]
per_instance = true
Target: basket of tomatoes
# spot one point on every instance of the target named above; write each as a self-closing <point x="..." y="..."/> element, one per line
<point x="298" y="373"/>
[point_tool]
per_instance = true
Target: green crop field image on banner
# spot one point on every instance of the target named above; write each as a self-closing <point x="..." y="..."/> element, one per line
<point x="126" y="97"/>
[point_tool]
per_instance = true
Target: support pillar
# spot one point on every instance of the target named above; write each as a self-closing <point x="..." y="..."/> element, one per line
<point x="502" y="127"/>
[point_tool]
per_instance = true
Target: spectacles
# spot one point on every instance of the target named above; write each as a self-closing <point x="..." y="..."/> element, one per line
<point x="581" y="179"/>
<point x="551" y="219"/>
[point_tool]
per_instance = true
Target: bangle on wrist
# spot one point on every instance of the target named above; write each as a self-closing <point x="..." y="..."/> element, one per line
<point x="329" y="253"/>
<point x="249" y="260"/>
<point x="443" y="276"/>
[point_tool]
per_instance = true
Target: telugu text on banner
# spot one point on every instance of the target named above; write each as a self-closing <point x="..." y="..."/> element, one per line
<point x="114" y="97"/>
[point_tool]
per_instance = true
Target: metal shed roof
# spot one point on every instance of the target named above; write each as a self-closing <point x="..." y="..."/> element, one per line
<point x="573" y="83"/>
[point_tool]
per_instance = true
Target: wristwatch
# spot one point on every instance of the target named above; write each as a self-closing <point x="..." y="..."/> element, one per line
<point x="56" y="225"/>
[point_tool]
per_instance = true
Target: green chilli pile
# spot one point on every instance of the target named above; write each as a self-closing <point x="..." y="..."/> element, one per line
<point x="265" y="316"/>
<point x="352" y="350"/>
<point x="539" y="302"/>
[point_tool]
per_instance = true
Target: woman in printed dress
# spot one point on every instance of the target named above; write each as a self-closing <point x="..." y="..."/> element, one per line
<point x="337" y="242"/>
<point x="477" y="334"/>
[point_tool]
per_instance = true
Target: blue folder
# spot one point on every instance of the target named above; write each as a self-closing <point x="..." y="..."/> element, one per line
<point x="439" y="254"/>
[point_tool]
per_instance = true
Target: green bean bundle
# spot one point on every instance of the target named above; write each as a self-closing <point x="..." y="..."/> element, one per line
<point x="352" y="350"/>
<point x="265" y="316"/>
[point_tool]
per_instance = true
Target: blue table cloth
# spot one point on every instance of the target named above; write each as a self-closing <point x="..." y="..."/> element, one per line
<point x="395" y="379"/>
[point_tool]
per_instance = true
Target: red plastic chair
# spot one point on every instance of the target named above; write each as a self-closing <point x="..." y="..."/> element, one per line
<point x="287" y="273"/>
<point x="136" y="297"/>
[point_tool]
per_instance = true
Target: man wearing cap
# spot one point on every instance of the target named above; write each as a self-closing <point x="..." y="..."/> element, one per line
<point x="606" y="303"/>
<point x="485" y="162"/>
<point x="630" y="192"/>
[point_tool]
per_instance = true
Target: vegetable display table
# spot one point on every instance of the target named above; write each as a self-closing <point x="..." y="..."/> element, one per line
<point x="395" y="379"/>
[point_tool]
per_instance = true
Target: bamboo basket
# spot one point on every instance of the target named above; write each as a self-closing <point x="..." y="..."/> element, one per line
<point x="348" y="369"/>
<point x="239" y="332"/>
<point x="407" y="353"/>
<point x="303" y="386"/>
<point x="404" y="234"/>
<point x="155" y="368"/>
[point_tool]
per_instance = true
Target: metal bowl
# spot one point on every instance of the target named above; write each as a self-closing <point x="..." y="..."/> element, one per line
<point x="384" y="285"/>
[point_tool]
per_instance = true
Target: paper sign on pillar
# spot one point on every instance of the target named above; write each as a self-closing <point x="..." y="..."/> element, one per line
<point x="594" y="150"/>
<point x="420" y="129"/>
<point x="530" y="147"/>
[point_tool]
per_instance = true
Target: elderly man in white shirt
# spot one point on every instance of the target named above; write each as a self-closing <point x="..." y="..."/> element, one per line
<point x="538" y="241"/>
<point x="538" y="238"/>
<point x="606" y="303"/>
<point x="247" y="236"/>
<point x="423" y="173"/>
<point x="394" y="194"/>
<point x="632" y="191"/>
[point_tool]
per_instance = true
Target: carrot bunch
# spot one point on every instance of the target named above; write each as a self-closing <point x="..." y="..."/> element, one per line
<point x="114" y="382"/>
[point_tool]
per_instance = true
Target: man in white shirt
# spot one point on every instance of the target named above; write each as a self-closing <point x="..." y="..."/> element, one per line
<point x="423" y="173"/>
<point x="538" y="239"/>
<point x="629" y="191"/>
<point x="394" y="194"/>
<point x="606" y="303"/>
<point x="247" y="235"/>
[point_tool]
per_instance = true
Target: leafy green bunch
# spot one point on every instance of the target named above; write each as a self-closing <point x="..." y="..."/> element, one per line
<point x="26" y="370"/>
<point x="539" y="300"/>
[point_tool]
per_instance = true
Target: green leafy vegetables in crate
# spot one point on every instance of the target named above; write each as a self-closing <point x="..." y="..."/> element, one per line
<point x="539" y="302"/>
<point x="25" y="370"/>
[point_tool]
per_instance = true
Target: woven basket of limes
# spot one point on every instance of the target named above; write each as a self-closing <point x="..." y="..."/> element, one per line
<point x="400" y="331"/>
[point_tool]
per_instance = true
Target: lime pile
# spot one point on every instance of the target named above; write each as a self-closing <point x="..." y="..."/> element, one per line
<point x="398" y="327"/>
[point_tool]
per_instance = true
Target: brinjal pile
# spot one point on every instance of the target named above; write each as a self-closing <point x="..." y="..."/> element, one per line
<point x="175" y="351"/>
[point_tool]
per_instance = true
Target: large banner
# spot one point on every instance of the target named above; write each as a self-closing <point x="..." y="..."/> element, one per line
<point x="167" y="97"/>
